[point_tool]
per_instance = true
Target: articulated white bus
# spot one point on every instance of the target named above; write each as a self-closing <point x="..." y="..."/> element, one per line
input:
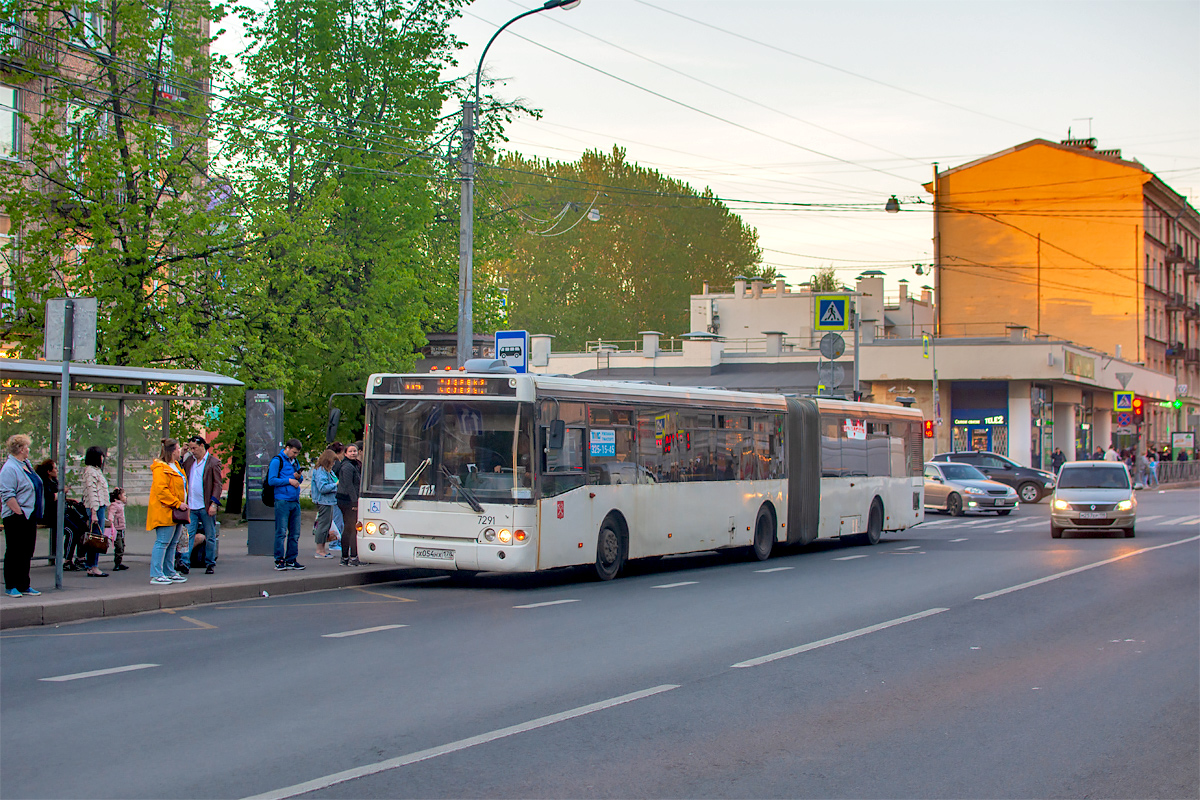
<point x="503" y="472"/>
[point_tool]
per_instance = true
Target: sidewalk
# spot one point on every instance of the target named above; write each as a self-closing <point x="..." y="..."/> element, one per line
<point x="238" y="576"/>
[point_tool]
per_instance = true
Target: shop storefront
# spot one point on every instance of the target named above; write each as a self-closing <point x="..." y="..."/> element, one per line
<point x="979" y="416"/>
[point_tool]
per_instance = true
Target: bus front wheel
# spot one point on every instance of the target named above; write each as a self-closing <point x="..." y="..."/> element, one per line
<point x="610" y="550"/>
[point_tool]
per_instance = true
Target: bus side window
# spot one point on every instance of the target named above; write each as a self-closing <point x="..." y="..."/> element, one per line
<point x="879" y="460"/>
<point x="831" y="448"/>
<point x="562" y="468"/>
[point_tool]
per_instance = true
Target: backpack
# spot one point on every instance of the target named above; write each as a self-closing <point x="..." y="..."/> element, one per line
<point x="268" y="491"/>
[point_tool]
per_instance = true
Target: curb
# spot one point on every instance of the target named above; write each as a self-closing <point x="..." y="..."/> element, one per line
<point x="22" y="616"/>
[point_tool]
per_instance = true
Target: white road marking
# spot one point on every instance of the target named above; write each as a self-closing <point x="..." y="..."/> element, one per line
<point x="1177" y="520"/>
<point x="1084" y="568"/>
<point x="548" y="603"/>
<point x="673" y="585"/>
<point x="97" y="672"/>
<point x="1191" y="522"/>
<point x="804" y="648"/>
<point x="974" y="522"/>
<point x="957" y="540"/>
<point x="318" y="784"/>
<point x="1147" y="519"/>
<point x="774" y="569"/>
<point x="910" y="547"/>
<point x="848" y="558"/>
<point x="935" y="522"/>
<point x="344" y="634"/>
<point x="1033" y="523"/>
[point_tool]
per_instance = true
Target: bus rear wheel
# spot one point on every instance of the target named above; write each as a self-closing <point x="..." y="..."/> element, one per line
<point x="764" y="535"/>
<point x="874" y="524"/>
<point x="610" y="550"/>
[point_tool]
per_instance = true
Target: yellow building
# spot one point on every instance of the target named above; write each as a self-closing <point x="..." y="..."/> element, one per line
<point x="1073" y="243"/>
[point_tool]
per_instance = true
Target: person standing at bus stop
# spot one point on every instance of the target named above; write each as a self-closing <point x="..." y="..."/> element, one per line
<point x="349" y="478"/>
<point x="23" y="502"/>
<point x="284" y="475"/>
<point x="204" y="495"/>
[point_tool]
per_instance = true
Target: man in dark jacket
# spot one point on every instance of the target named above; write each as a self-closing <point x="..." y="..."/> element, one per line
<point x="349" y="472"/>
<point x="1057" y="459"/>
<point x="204" y="484"/>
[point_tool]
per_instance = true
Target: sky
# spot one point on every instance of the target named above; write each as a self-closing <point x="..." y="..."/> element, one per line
<point x="806" y="116"/>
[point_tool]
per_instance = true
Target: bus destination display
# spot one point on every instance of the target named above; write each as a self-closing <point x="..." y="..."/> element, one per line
<point x="447" y="386"/>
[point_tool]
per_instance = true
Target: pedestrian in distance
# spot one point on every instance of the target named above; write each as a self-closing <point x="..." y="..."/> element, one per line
<point x="324" y="494"/>
<point x="95" y="500"/>
<point x="1057" y="459"/>
<point x="116" y="524"/>
<point x="168" y="494"/>
<point x="204" y="497"/>
<point x="349" y="479"/>
<point x="285" y="477"/>
<point x="336" y="528"/>
<point x="22" y="501"/>
<point x="47" y="470"/>
<point x="1111" y="454"/>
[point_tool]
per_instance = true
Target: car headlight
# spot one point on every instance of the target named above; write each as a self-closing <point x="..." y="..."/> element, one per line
<point x="1124" y="505"/>
<point x="1062" y="505"/>
<point x="972" y="490"/>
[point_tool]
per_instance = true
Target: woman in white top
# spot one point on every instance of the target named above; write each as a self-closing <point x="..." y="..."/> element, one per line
<point x="95" y="499"/>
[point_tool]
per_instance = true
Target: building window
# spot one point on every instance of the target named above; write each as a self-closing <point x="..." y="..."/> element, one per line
<point x="10" y="123"/>
<point x="8" y="260"/>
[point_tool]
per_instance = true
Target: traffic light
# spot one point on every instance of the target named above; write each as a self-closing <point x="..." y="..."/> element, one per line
<point x="1139" y="411"/>
<point x="928" y="429"/>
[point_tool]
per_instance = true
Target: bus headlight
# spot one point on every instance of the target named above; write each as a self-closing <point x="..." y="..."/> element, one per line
<point x="371" y="527"/>
<point x="505" y="536"/>
<point x="489" y="535"/>
<point x="384" y="530"/>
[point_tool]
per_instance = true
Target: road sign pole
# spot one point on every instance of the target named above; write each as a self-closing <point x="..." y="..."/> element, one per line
<point x="857" y="393"/>
<point x="68" y="352"/>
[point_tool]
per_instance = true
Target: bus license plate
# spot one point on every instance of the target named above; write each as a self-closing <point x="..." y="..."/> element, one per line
<point x="443" y="555"/>
<point x="1092" y="515"/>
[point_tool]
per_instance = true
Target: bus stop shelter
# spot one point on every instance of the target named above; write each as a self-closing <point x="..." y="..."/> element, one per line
<point x="125" y="410"/>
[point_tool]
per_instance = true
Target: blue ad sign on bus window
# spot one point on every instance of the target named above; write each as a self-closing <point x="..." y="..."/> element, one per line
<point x="513" y="348"/>
<point x="604" y="443"/>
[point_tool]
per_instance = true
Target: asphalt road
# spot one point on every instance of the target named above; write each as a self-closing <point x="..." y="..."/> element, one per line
<point x="968" y="657"/>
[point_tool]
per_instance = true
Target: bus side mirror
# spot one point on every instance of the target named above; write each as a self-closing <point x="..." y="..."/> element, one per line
<point x="558" y="432"/>
<point x="331" y="426"/>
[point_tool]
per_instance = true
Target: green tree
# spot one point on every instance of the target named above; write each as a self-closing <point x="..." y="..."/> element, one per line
<point x="655" y="242"/>
<point x="825" y="279"/>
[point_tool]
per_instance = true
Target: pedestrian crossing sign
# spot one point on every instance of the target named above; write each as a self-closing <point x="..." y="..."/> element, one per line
<point x="1123" y="401"/>
<point x="832" y="312"/>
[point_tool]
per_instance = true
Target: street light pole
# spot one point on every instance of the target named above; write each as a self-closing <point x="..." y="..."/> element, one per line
<point x="466" y="205"/>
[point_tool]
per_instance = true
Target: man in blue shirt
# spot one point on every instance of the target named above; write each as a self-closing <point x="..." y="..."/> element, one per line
<point x="284" y="475"/>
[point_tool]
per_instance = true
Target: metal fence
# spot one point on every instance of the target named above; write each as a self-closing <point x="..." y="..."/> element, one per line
<point x="1178" y="471"/>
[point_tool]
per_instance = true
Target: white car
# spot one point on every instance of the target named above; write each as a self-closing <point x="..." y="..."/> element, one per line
<point x="1093" y="495"/>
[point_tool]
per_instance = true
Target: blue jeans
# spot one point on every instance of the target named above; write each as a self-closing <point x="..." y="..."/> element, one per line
<point x="162" y="555"/>
<point x="92" y="558"/>
<point x="287" y="529"/>
<point x="199" y="517"/>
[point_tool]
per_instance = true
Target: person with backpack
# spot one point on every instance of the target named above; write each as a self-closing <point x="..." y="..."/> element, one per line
<point x="284" y="479"/>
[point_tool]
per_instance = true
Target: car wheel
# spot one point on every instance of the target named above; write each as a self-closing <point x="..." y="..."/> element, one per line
<point x="610" y="550"/>
<point x="954" y="505"/>
<point x="764" y="535"/>
<point x="1004" y="513"/>
<point x="1029" y="492"/>
<point x="1130" y="533"/>
<point x="1055" y="532"/>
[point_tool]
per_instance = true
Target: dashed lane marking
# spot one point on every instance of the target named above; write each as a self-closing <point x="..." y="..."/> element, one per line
<point x="344" y="634"/>
<point x="674" y="585"/>
<point x="804" y="648"/>
<point x="773" y="569"/>
<point x="318" y="784"/>
<point x="952" y="541"/>
<point x="1084" y="568"/>
<point x="548" y="603"/>
<point x="910" y="547"/>
<point x="848" y="558"/>
<point x="96" y="673"/>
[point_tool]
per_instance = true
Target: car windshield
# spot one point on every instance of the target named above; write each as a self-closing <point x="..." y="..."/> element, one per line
<point x="962" y="472"/>
<point x="483" y="445"/>
<point x="1093" y="478"/>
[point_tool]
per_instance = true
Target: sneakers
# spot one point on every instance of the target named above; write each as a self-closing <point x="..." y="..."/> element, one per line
<point x="178" y="579"/>
<point x="119" y="567"/>
<point x="31" y="592"/>
<point x="354" y="561"/>
<point x="280" y="566"/>
<point x="14" y="593"/>
<point x="294" y="565"/>
<point x="161" y="580"/>
<point x="209" y="570"/>
<point x="182" y="567"/>
<point x="345" y="562"/>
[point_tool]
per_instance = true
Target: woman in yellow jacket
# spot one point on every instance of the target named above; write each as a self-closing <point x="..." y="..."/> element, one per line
<point x="168" y="490"/>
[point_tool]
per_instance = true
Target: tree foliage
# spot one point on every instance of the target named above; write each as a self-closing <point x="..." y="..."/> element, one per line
<point x="655" y="242"/>
<point x="825" y="279"/>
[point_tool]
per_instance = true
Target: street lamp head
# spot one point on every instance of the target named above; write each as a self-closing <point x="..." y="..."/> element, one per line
<point x="892" y="206"/>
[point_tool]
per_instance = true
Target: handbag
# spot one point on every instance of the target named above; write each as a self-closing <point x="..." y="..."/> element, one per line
<point x="181" y="516"/>
<point x="95" y="540"/>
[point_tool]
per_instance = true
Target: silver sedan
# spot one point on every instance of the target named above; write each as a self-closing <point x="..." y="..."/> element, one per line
<point x="1093" y="494"/>
<point x="960" y="488"/>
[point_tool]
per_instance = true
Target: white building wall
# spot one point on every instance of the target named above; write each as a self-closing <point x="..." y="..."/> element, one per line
<point x="1020" y="422"/>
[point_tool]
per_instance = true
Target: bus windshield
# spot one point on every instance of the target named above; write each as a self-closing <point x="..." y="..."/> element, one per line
<point x="482" y="446"/>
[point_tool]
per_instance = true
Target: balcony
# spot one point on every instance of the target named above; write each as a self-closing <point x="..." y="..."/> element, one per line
<point x="1175" y="352"/>
<point x="1176" y="302"/>
<point x="1192" y="311"/>
<point x="1191" y="268"/>
<point x="1175" y="254"/>
<point x="20" y="47"/>
<point x="1192" y="356"/>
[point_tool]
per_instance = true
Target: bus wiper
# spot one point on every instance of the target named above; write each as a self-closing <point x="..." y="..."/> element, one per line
<point x="399" y="498"/>
<point x="457" y="484"/>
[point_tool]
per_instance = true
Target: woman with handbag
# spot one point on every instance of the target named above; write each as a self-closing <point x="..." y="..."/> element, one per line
<point x="166" y="513"/>
<point x="95" y="500"/>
